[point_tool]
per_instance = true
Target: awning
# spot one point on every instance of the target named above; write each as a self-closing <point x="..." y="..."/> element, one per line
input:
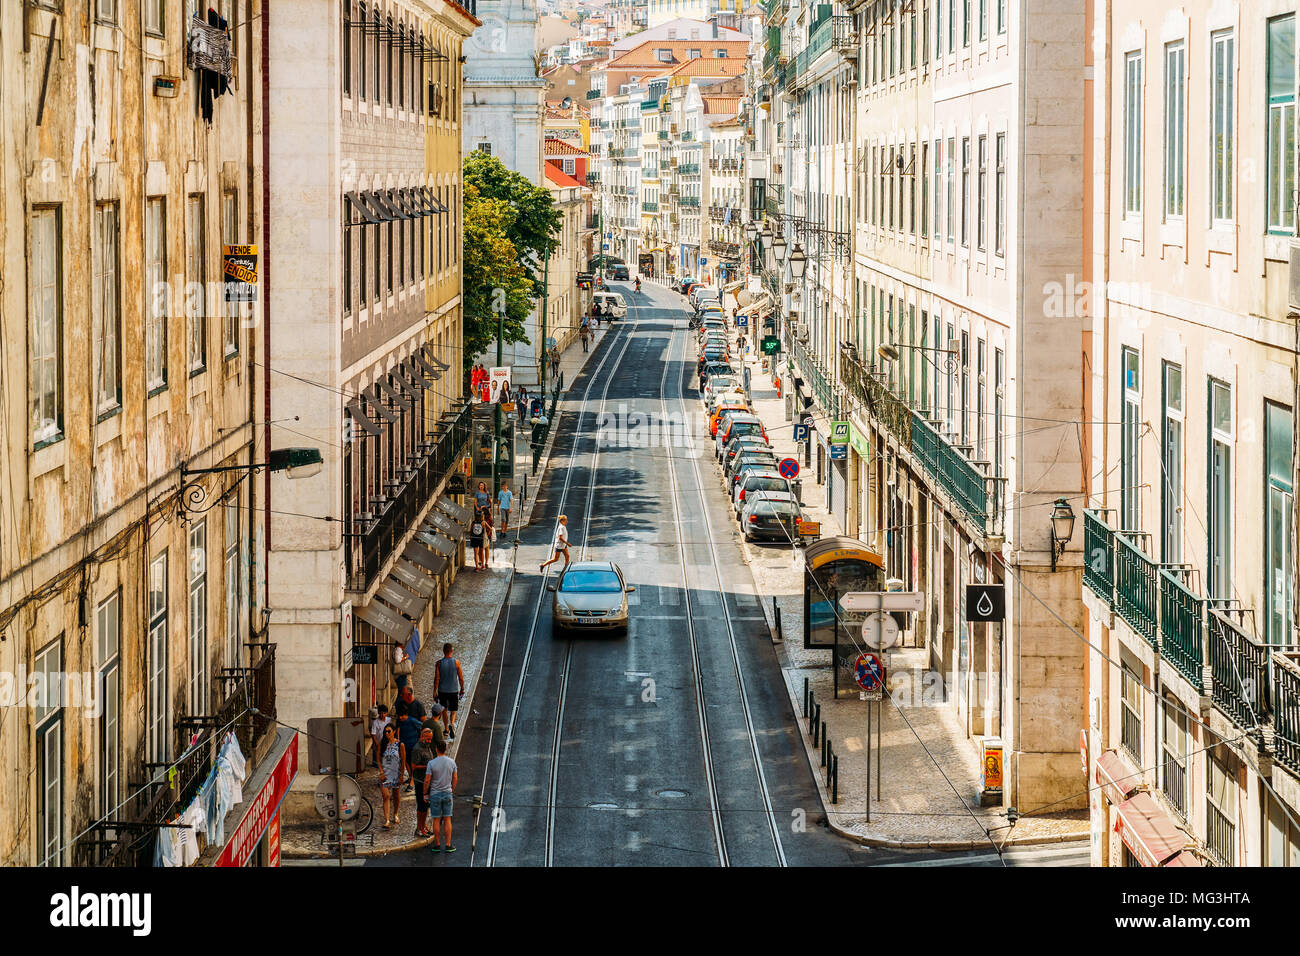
<point x="382" y="617"/>
<point x="425" y="557"/>
<point x="377" y="404"/>
<point x="400" y="199"/>
<point x="459" y="512"/>
<point x="1150" y="834"/>
<point x="438" y="541"/>
<point x="400" y="597"/>
<point x="398" y="398"/>
<point x="361" y="209"/>
<point x="1117" y="776"/>
<point x="438" y="205"/>
<point x="413" y="578"/>
<point x="1186" y="858"/>
<point x="380" y="200"/>
<point x="361" y="418"/>
<point x="419" y="198"/>
<point x="452" y="529"/>
<point x="733" y="286"/>
<point x="428" y="350"/>
<point x="377" y="209"/>
<point x="764" y="301"/>
<point x="426" y="366"/>
<point x="404" y="385"/>
<point x="418" y="376"/>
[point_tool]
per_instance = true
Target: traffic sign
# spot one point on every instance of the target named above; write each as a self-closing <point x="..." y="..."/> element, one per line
<point x="986" y="603"/>
<point x="839" y="452"/>
<point x="742" y="321"/>
<point x="880" y="630"/>
<point x="869" y="672"/>
<point x="788" y="468"/>
<point x="882" y="600"/>
<point x="800" y="432"/>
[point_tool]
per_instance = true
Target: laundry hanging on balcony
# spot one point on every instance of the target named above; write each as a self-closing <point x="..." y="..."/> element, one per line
<point x="208" y="54"/>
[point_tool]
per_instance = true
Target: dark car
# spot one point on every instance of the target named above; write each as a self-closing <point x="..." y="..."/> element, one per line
<point x="749" y="456"/>
<point x="714" y="368"/>
<point x="770" y="518"/>
<point x="619" y="271"/>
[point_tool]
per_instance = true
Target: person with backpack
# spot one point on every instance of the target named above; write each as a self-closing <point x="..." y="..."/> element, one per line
<point x="477" y="533"/>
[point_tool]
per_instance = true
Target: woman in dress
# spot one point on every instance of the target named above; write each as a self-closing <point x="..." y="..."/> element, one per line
<point x="390" y="783"/>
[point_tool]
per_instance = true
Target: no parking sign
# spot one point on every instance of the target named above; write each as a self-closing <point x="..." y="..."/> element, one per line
<point x="788" y="468"/>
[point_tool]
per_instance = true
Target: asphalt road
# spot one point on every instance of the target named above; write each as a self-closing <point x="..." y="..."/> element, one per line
<point x="673" y="746"/>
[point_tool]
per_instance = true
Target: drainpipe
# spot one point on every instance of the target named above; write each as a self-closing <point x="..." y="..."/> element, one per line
<point x="266" y="285"/>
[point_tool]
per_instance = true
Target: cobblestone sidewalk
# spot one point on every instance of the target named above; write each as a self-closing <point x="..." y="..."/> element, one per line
<point x="467" y="620"/>
<point x="928" y="793"/>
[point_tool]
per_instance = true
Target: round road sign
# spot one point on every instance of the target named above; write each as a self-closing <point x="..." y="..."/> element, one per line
<point x="788" y="468"/>
<point x="868" y="671"/>
<point x="880" y="630"/>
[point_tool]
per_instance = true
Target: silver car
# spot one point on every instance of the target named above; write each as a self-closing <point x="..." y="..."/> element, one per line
<point x="590" y="595"/>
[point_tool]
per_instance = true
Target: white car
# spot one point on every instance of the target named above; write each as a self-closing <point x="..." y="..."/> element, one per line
<point x="768" y="483"/>
<point x="611" y="304"/>
<point x="732" y="396"/>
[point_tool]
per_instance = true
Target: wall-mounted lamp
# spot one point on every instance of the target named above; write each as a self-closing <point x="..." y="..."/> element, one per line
<point x="1062" y="528"/>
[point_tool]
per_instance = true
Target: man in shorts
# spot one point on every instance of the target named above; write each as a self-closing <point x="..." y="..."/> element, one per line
<point x="505" y="501"/>
<point x="449" y="688"/>
<point x="561" y="544"/>
<point x="439" y="785"/>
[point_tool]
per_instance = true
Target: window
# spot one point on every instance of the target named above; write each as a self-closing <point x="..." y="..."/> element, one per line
<point x="1133" y="133"/>
<point x="1130" y="438"/>
<point x="984" y="20"/>
<point x="196" y="283"/>
<point x="567" y="166"/>
<point x="965" y="191"/>
<point x="1173" y="756"/>
<point x="965" y="23"/>
<point x="938" y="28"/>
<point x="1221" y="807"/>
<point x="1280" y="500"/>
<point x="48" y="718"/>
<point x="664" y="56"/>
<point x="108" y="631"/>
<point x="155" y="249"/>
<point x="1220" y="504"/>
<point x="1002" y="16"/>
<point x="389" y="255"/>
<point x="106" y="11"/>
<point x="1222" y="69"/>
<point x="952" y="25"/>
<point x="981" y="447"/>
<point x="346" y="243"/>
<point x="155" y="20"/>
<point x="347" y="47"/>
<point x="230" y="235"/>
<point x="47" y="326"/>
<point x="159" y="740"/>
<point x="1175" y="127"/>
<point x="950" y="407"/>
<point x="376" y="65"/>
<point x="1000" y="196"/>
<point x="362" y="47"/>
<point x="938" y="189"/>
<point x="363" y="290"/>
<point x="1281" y="838"/>
<point x="198" y="629"/>
<point x="952" y="162"/>
<point x="720" y="54"/>
<point x="378" y="250"/>
<point x="234" y="580"/>
<point x="1130" y="707"/>
<point x="1171" y="455"/>
<point x="1281" y="125"/>
<point x="999" y="410"/>
<point x="925" y="188"/>
<point x="106" y="299"/>
<point x="981" y="192"/>
<point x="389" y="55"/>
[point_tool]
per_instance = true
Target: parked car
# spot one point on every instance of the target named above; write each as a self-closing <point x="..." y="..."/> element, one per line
<point x="769" y="482"/>
<point x="724" y="423"/>
<point x="620" y="272"/>
<point x="718" y="414"/>
<point x="714" y="368"/>
<point x="610" y="305"/>
<point x="590" y="595"/>
<point x="745" y="466"/>
<point x="678" y="285"/>
<point x="770" y="518"/>
<point x="747" y="447"/>
<point x="736" y="426"/>
<point x="718" y="384"/>
<point x="732" y="397"/>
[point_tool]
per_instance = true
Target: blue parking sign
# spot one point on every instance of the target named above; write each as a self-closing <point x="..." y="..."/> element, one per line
<point x="801" y="432"/>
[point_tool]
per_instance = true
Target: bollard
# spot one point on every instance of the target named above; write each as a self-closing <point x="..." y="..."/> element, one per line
<point x="823" y="748"/>
<point x="835" y="780"/>
<point x="805" y="697"/>
<point x="779" y="635"/>
<point x="817" y="716"/>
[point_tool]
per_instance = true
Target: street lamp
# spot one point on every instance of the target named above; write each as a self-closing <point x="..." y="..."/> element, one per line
<point x="1062" y="528"/>
<point x="778" y="248"/>
<point x="294" y="462"/>
<point x="751" y="230"/>
<point x="798" y="262"/>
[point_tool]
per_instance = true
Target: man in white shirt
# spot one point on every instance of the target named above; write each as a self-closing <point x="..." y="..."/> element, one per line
<point x="561" y="544"/>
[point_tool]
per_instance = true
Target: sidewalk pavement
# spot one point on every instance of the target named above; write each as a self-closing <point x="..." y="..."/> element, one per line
<point x="467" y="620"/>
<point x="918" y="808"/>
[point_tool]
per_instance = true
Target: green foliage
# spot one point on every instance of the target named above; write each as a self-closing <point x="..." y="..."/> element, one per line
<point x="532" y="222"/>
<point x="495" y="283"/>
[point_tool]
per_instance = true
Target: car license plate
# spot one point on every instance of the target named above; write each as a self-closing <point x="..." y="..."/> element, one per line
<point x="588" y="620"/>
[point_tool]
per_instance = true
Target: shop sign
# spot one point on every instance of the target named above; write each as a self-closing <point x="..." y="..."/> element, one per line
<point x="261" y="809"/>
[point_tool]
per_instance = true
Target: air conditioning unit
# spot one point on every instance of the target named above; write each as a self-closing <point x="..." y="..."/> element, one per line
<point x="1293" y="281"/>
<point x="801" y="332"/>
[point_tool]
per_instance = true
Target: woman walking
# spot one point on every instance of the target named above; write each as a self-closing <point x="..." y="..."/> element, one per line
<point x="390" y="783"/>
<point x="489" y="535"/>
<point x="476" y="535"/>
<point x="561" y="544"/>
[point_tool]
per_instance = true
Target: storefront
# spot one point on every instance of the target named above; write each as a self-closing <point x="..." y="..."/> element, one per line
<point x="253" y="824"/>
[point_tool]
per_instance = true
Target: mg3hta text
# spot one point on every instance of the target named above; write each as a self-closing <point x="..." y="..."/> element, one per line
<point x="1216" y="898"/>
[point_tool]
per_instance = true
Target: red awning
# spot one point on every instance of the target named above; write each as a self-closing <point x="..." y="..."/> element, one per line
<point x="1149" y="833"/>
<point x="1117" y="776"/>
<point x="1185" y="859"/>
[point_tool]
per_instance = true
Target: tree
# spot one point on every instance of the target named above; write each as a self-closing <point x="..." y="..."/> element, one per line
<point x="532" y="222"/>
<point x="495" y="281"/>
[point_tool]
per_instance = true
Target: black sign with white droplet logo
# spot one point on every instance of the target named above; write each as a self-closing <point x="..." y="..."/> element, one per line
<point x="986" y="603"/>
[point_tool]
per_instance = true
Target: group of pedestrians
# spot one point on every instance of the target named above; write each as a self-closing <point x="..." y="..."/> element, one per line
<point x="410" y="750"/>
<point x="483" y="530"/>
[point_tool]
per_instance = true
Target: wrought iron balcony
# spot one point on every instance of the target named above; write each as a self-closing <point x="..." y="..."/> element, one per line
<point x="845" y="34"/>
<point x="692" y="202"/>
<point x="649" y="207"/>
<point x="1182" y="625"/>
<point x="369" y="547"/>
<point x="595" y="94"/>
<point x="689" y="169"/>
<point x="1137" y="589"/>
<point x="663" y="134"/>
<point x="1099" y="555"/>
<point x="1285" y="689"/>
<point x="1238" y="666"/>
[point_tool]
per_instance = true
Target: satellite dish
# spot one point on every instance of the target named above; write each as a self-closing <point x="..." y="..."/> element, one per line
<point x="566" y="103"/>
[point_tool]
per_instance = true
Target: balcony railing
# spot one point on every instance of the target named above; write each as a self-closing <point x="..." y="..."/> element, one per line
<point x="1220" y="836"/>
<point x="126" y="836"/>
<point x="663" y="134"/>
<point x="1098" y="556"/>
<point x="1239" y="667"/>
<point x="649" y="207"/>
<point x="845" y="37"/>
<point x="1286" y="710"/>
<point x="372" y="543"/>
<point x="689" y="169"/>
<point x="692" y="202"/>
<point x="978" y="495"/>
<point x="594" y="94"/>
<point x="1182" y="616"/>
<point x="813" y="373"/>
<point x="1136" y="588"/>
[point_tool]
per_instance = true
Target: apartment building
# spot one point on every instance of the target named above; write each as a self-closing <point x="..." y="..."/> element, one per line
<point x="365" y="127"/>
<point x="132" y="628"/>
<point x="905" y="134"/>
<point x="1193" y="687"/>
<point x="725" y="185"/>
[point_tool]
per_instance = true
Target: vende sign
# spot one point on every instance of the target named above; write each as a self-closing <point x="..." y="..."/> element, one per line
<point x="262" y="808"/>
